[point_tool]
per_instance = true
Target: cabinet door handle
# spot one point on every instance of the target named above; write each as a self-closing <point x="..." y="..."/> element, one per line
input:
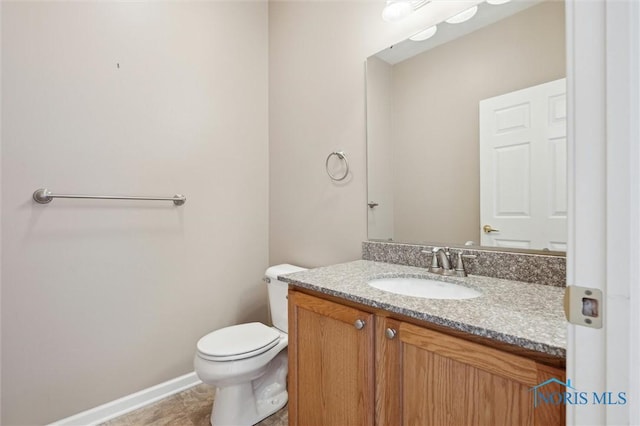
<point x="390" y="333"/>
<point x="359" y="324"/>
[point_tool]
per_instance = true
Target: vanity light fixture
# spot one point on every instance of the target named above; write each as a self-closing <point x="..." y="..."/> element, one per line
<point x="396" y="10"/>
<point x="497" y="2"/>
<point x="424" y="34"/>
<point x="463" y="16"/>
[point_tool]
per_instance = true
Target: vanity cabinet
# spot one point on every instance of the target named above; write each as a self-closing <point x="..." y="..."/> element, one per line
<point x="392" y="372"/>
<point x="331" y="363"/>
<point x="438" y="379"/>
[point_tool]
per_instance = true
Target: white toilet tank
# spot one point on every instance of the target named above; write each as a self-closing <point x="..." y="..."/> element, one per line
<point x="278" y="294"/>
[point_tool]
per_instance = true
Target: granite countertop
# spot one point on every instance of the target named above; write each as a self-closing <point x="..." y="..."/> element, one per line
<point x="522" y="314"/>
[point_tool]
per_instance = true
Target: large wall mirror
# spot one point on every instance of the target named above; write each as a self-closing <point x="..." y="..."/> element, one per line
<point x="466" y="132"/>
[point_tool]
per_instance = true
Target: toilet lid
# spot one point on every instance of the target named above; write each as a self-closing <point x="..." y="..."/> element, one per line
<point x="238" y="341"/>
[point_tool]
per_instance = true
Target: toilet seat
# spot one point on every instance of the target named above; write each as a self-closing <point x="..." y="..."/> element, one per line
<point x="237" y="342"/>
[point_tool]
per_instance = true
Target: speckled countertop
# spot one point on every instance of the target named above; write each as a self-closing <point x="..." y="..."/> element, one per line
<point x="522" y="314"/>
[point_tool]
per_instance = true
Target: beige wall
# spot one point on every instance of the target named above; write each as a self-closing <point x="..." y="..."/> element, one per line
<point x="317" y="52"/>
<point x="435" y="118"/>
<point x="379" y="149"/>
<point x="101" y="299"/>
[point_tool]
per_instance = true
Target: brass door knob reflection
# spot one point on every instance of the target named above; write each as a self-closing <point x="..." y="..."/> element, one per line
<point x="488" y="228"/>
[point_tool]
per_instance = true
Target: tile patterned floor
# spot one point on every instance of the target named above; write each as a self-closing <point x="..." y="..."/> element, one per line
<point x="191" y="407"/>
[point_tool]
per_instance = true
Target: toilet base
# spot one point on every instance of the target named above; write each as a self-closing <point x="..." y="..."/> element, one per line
<point x="251" y="402"/>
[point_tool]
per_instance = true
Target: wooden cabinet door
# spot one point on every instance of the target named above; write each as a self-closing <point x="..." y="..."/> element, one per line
<point x="450" y="381"/>
<point x="388" y="373"/>
<point x="331" y="363"/>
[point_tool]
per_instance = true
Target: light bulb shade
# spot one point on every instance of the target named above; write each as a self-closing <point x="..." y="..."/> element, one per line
<point x="424" y="34"/>
<point x="463" y="16"/>
<point x="396" y="10"/>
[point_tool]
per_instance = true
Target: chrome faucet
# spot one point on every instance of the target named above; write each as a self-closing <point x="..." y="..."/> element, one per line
<point x="441" y="262"/>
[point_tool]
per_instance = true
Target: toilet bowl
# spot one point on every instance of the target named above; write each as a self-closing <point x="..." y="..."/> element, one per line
<point x="247" y="363"/>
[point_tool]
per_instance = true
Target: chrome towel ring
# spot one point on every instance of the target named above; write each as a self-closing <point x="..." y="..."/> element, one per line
<point x="340" y="155"/>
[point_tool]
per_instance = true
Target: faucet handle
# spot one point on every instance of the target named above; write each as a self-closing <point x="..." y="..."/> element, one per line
<point x="435" y="266"/>
<point x="460" y="271"/>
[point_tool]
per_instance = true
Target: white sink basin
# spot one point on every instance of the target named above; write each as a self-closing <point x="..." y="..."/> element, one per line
<point x="424" y="287"/>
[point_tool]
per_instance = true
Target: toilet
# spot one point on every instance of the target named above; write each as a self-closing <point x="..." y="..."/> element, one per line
<point x="247" y="363"/>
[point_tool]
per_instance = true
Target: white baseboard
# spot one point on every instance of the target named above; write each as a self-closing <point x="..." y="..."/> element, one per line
<point x="130" y="403"/>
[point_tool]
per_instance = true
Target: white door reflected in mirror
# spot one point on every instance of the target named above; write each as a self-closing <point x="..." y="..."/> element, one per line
<point x="523" y="168"/>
